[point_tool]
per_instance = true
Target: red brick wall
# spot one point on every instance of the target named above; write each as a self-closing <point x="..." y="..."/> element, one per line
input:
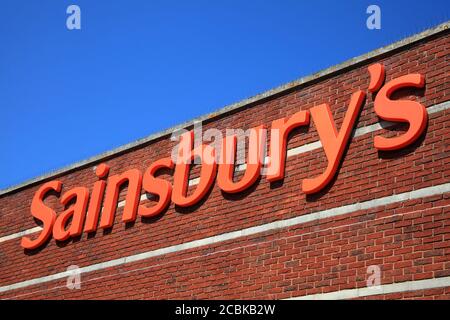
<point x="409" y="240"/>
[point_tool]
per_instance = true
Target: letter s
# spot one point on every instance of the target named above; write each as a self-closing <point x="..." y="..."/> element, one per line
<point x="410" y="112"/>
<point x="43" y="213"/>
<point x="157" y="186"/>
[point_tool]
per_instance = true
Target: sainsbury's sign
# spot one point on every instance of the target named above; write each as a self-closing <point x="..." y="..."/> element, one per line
<point x="86" y="211"/>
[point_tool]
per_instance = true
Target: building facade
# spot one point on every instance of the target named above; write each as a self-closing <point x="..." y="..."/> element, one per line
<point x="356" y="211"/>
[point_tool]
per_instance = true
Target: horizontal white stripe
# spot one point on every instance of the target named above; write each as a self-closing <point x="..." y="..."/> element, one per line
<point x="291" y="152"/>
<point x="416" y="194"/>
<point x="381" y="289"/>
<point x="20" y="234"/>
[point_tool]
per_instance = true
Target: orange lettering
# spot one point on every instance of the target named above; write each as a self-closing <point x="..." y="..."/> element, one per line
<point x="181" y="176"/>
<point x="410" y="112"/>
<point x="77" y="212"/>
<point x="96" y="199"/>
<point x="43" y="213"/>
<point x="157" y="186"/>
<point x="134" y="179"/>
<point x="254" y="162"/>
<point x="278" y="143"/>
<point x="333" y="142"/>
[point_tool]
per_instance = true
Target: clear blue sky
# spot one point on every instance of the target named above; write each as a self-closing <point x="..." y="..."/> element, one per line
<point x="137" y="67"/>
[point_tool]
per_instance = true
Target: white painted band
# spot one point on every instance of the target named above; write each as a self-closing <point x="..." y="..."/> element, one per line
<point x="416" y="194"/>
<point x="406" y="286"/>
<point x="20" y="234"/>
